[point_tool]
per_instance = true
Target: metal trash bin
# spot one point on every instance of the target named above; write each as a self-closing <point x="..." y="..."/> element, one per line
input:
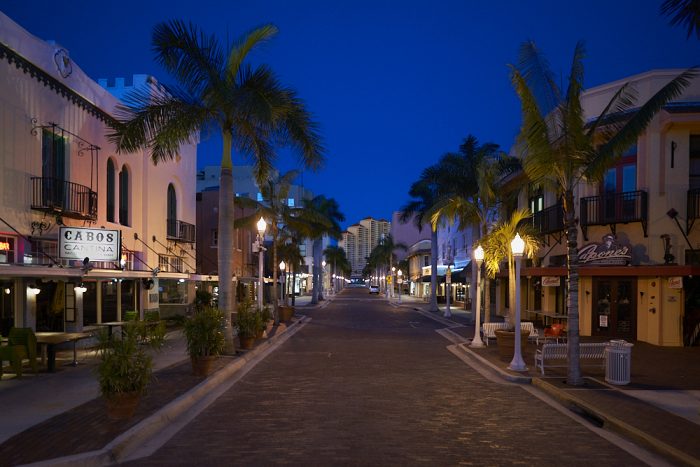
<point x="618" y="362"/>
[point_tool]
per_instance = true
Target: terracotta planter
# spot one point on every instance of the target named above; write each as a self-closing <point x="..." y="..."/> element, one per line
<point x="121" y="406"/>
<point x="286" y="313"/>
<point x="260" y="333"/>
<point x="506" y="342"/>
<point x="201" y="366"/>
<point x="247" y="343"/>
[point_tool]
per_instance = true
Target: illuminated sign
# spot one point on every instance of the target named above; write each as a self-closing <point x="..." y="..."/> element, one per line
<point x="607" y="253"/>
<point x="550" y="281"/>
<point x="5" y="246"/>
<point x="96" y="244"/>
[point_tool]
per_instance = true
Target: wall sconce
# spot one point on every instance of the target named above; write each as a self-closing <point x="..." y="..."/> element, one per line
<point x="80" y="288"/>
<point x="181" y="281"/>
<point x="33" y="289"/>
<point x="641" y="294"/>
<point x="7" y="291"/>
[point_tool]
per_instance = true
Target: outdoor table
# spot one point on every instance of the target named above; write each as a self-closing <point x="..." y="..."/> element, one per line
<point x="110" y="325"/>
<point x="49" y="341"/>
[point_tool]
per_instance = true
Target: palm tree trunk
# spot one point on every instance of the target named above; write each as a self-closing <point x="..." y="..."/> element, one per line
<point x="573" y="376"/>
<point x="433" y="270"/>
<point x="225" y="255"/>
<point x="487" y="298"/>
<point x="316" y="272"/>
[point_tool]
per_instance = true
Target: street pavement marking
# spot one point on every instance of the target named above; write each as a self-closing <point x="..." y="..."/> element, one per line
<point x="452" y="336"/>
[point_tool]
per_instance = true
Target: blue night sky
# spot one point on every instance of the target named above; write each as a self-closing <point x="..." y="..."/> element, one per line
<point x="393" y="85"/>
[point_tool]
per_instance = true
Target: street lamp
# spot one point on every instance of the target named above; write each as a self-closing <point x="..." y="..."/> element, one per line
<point x="517" y="246"/>
<point x="479" y="258"/>
<point x="323" y="277"/>
<point x="262" y="225"/>
<point x="284" y="280"/>
<point x="393" y="280"/>
<point x="400" y="281"/>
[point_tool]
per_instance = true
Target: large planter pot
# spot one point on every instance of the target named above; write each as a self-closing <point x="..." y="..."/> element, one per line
<point x="260" y="333"/>
<point x="506" y="342"/>
<point x="121" y="406"/>
<point x="247" y="343"/>
<point x="286" y="313"/>
<point x="201" y="366"/>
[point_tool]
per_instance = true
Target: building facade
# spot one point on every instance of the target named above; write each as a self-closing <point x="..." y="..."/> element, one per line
<point x="638" y="245"/>
<point x="86" y="233"/>
<point x="359" y="240"/>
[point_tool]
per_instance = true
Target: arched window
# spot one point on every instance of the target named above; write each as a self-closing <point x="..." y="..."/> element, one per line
<point x="124" y="196"/>
<point x="172" y="212"/>
<point x="110" y="190"/>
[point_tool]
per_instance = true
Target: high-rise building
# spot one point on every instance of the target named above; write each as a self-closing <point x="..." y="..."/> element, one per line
<point x="359" y="240"/>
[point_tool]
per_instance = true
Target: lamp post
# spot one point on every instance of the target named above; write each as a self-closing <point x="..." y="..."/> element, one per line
<point x="283" y="266"/>
<point x="517" y="246"/>
<point x="448" y="291"/>
<point x="323" y="277"/>
<point x="262" y="225"/>
<point x="399" y="281"/>
<point x="393" y="280"/>
<point x="479" y="258"/>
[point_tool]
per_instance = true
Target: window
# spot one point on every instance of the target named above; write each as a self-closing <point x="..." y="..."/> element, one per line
<point x="694" y="162"/>
<point x="7" y="249"/>
<point x="426" y="260"/>
<point x="124" y="196"/>
<point x="623" y="176"/>
<point x="172" y="212"/>
<point x="53" y="168"/>
<point x="259" y="197"/>
<point x="110" y="190"/>
<point x="214" y="237"/>
<point x="290" y="202"/>
<point x="536" y="199"/>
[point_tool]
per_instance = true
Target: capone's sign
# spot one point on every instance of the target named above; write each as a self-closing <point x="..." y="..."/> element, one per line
<point x="607" y="253"/>
<point x="96" y="244"/>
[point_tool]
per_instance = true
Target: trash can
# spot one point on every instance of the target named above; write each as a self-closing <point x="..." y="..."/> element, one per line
<point x="618" y="362"/>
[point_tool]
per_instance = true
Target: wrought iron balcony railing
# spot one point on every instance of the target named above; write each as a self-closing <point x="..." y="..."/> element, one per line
<point x="693" y="204"/>
<point x="180" y="231"/>
<point x="615" y="208"/>
<point x="549" y="220"/>
<point x="63" y="198"/>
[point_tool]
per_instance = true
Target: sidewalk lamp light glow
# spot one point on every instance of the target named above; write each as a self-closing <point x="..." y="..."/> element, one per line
<point x="262" y="225"/>
<point x="479" y="254"/>
<point x="479" y="258"/>
<point x="517" y="245"/>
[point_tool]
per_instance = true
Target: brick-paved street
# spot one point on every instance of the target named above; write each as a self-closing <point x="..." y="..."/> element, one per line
<point x="368" y="384"/>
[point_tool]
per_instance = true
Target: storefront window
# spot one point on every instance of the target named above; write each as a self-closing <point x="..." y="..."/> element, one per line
<point x="172" y="291"/>
<point x="7" y="249"/>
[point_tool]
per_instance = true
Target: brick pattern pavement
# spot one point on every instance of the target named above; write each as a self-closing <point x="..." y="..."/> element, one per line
<point x="368" y="384"/>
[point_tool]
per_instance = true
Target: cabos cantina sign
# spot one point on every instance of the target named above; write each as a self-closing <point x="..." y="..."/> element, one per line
<point x="96" y="244"/>
<point x="607" y="253"/>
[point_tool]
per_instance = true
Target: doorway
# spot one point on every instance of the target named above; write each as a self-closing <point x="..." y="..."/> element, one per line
<point x="614" y="307"/>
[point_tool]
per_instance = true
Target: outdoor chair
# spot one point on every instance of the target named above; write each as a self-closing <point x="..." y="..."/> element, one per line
<point x="21" y="344"/>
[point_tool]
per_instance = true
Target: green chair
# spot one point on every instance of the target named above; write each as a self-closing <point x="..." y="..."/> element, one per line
<point x="22" y="341"/>
<point x="11" y="354"/>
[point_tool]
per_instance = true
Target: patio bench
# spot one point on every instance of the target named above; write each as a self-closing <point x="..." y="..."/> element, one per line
<point x="489" y="330"/>
<point x="534" y="334"/>
<point x="589" y="353"/>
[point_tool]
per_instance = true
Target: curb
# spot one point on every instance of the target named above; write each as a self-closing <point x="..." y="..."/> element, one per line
<point x="126" y="444"/>
<point x="495" y="369"/>
<point x="615" y="424"/>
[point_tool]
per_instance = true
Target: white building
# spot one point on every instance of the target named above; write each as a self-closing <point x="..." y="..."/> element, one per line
<point x="359" y="240"/>
<point x="60" y="171"/>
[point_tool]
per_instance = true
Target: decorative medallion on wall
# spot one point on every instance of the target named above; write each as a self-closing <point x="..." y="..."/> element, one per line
<point x="63" y="62"/>
<point x="607" y="253"/>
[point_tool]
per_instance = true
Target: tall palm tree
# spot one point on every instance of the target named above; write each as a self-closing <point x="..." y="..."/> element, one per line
<point x="289" y="252"/>
<point x="336" y="257"/>
<point x="328" y="222"/>
<point x="561" y="148"/>
<point x="685" y="13"/>
<point x="425" y="193"/>
<point x="470" y="189"/>
<point x="496" y="245"/>
<point x="383" y="255"/>
<point x="217" y="91"/>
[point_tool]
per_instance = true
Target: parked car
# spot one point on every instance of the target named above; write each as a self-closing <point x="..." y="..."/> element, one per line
<point x="374" y="289"/>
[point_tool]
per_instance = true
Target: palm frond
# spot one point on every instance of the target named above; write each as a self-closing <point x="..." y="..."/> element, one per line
<point x="248" y="42"/>
<point x="684" y="13"/>
<point x="537" y="75"/>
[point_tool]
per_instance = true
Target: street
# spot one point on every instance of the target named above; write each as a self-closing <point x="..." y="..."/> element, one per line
<point x="367" y="383"/>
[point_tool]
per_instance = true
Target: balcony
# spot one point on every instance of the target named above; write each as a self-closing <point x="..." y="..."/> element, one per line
<point x="614" y="208"/>
<point x="180" y="231"/>
<point x="63" y="198"/>
<point x="550" y="220"/>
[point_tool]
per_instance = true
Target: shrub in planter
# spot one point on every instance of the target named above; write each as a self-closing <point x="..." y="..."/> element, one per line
<point x="205" y="338"/>
<point x="125" y="369"/>
<point x="247" y="322"/>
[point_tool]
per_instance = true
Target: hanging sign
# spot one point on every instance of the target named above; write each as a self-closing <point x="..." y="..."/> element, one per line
<point x="95" y="244"/>
<point x="607" y="253"/>
<point x="675" y="282"/>
<point x="551" y="281"/>
<point x="5" y="246"/>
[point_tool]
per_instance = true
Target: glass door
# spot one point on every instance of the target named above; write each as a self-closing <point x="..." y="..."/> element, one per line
<point x="614" y="308"/>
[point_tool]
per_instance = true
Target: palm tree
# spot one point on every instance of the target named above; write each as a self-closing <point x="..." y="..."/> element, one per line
<point x="561" y="148"/>
<point x="685" y="13"/>
<point x="471" y="190"/>
<point x="383" y="254"/>
<point x="289" y="252"/>
<point x="217" y="91"/>
<point x="335" y="256"/>
<point x="496" y="245"/>
<point x="425" y="194"/>
<point x="327" y="222"/>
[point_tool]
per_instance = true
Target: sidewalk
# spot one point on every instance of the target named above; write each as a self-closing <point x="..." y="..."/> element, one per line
<point x="659" y="409"/>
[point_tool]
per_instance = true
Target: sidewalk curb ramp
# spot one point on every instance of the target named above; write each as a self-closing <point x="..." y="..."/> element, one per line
<point x="191" y="403"/>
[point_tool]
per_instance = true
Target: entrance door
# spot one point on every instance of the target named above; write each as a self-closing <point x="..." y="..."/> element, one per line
<point x="614" y="307"/>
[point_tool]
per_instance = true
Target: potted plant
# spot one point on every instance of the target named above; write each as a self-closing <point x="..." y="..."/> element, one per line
<point x="205" y="338"/>
<point x="505" y="338"/>
<point x="265" y="318"/>
<point x="286" y="313"/>
<point x="248" y="323"/>
<point x="125" y="369"/>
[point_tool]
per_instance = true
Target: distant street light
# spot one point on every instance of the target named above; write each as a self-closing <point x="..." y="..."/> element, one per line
<point x="400" y="281"/>
<point x="479" y="258"/>
<point x="283" y="266"/>
<point x="262" y="225"/>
